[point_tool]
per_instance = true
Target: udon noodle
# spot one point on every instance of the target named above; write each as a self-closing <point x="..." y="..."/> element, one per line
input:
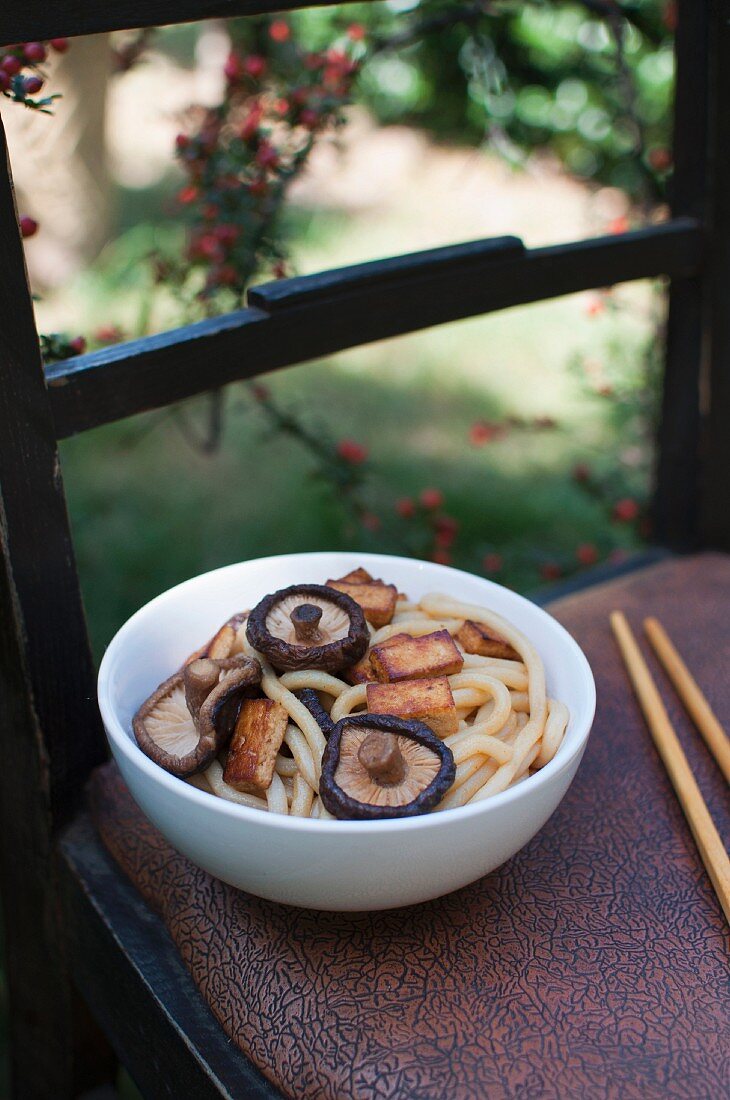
<point x="507" y="725"/>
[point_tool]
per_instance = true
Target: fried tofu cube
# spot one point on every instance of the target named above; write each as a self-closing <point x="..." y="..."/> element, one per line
<point x="479" y="639"/>
<point x="377" y="599"/>
<point x="256" y="740"/>
<point x="430" y="701"/>
<point x="406" y="658"/>
<point x="357" y="576"/>
<point x="363" y="672"/>
<point x="222" y="643"/>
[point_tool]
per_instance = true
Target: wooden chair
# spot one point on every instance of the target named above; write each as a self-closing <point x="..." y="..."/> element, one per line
<point x="72" y="921"/>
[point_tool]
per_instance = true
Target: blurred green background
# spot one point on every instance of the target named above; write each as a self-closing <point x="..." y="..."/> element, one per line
<point x="542" y="120"/>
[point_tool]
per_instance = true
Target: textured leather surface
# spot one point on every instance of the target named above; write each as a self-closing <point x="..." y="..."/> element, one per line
<point x="594" y="964"/>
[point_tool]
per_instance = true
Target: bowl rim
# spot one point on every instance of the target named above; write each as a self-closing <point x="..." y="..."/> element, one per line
<point x="124" y="743"/>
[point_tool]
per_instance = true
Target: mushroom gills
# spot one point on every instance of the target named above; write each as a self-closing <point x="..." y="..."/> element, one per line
<point x="418" y="768"/>
<point x="308" y="626"/>
<point x="188" y="720"/>
<point x="282" y="621"/>
<point x="380" y="766"/>
<point x="309" y="697"/>
<point x="171" y="724"/>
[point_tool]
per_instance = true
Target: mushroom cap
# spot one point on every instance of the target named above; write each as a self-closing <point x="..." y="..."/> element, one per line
<point x="424" y="764"/>
<point x="180" y="742"/>
<point x="337" y="640"/>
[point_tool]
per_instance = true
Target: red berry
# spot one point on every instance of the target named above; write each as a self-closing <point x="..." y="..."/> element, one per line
<point x="432" y="498"/>
<point x="208" y="247"/>
<point x="670" y="15"/>
<point x="78" y="344"/>
<point x="254" y="66"/>
<point x="595" y="305"/>
<point x="587" y="553"/>
<point x="279" y="30"/>
<point x="351" y="451"/>
<point x="11" y="65"/>
<point x="618" y="225"/>
<point x="444" y="539"/>
<point x="370" y="521"/>
<point x="225" y="275"/>
<point x="660" y="159"/>
<point x="186" y="195"/>
<point x="109" y="334"/>
<point x="32" y="84"/>
<point x="250" y="125"/>
<point x="309" y="118"/>
<point x="34" y="51"/>
<point x="60" y="45"/>
<point x="550" y="571"/>
<point x="446" y="530"/>
<point x="226" y="234"/>
<point x="28" y="226"/>
<point x="481" y="432"/>
<point x="356" y="32"/>
<point x="267" y="156"/>
<point x="182" y="141"/>
<point x="232" y="68"/>
<point x="405" y="507"/>
<point x="625" y="510"/>
<point x="492" y="563"/>
<point x="441" y="557"/>
<point x="581" y="472"/>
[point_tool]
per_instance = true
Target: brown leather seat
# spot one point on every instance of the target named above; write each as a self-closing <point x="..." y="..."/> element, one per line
<point x="593" y="964"/>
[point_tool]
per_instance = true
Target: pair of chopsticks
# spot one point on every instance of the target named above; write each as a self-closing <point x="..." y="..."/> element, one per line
<point x="706" y="836"/>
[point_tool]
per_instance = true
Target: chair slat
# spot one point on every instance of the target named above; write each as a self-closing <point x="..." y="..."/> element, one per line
<point x="41" y="19"/>
<point x="305" y="318"/>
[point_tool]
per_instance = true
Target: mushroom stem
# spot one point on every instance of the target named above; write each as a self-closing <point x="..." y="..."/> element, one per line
<point x="199" y="678"/>
<point x="380" y="756"/>
<point x="306" y="618"/>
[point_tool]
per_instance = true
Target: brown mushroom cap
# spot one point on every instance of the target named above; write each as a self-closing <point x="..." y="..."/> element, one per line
<point x="308" y="626"/>
<point x="183" y="726"/>
<point x="376" y="766"/>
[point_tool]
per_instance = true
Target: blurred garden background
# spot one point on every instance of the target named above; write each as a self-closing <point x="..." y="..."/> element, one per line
<point x="161" y="173"/>
<point x="180" y="165"/>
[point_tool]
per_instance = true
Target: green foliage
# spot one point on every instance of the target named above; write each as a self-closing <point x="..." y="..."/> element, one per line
<point x="589" y="81"/>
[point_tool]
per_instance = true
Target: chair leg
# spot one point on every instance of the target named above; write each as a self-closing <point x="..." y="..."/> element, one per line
<point x="56" y="1048"/>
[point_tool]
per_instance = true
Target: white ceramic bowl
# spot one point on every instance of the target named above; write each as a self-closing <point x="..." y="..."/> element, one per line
<point x="340" y="865"/>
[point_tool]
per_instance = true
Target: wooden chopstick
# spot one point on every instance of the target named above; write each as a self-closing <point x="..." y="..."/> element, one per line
<point x="691" y="695"/>
<point x="706" y="836"/>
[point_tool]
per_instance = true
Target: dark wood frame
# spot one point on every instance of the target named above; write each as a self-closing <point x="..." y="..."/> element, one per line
<point x="51" y="731"/>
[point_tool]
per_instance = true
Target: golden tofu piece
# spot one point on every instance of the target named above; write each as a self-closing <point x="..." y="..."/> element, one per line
<point x="406" y="658"/>
<point x="479" y="639"/>
<point x="221" y="644"/>
<point x="255" y="743"/>
<point x="357" y="576"/>
<point x="430" y="701"/>
<point x="377" y="600"/>
<point x="363" y="672"/>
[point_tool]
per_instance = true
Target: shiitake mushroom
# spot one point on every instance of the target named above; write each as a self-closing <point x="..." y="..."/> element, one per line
<point x="377" y="766"/>
<point x="308" y="626"/>
<point x="187" y="721"/>
<point x="309" y="697"/>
